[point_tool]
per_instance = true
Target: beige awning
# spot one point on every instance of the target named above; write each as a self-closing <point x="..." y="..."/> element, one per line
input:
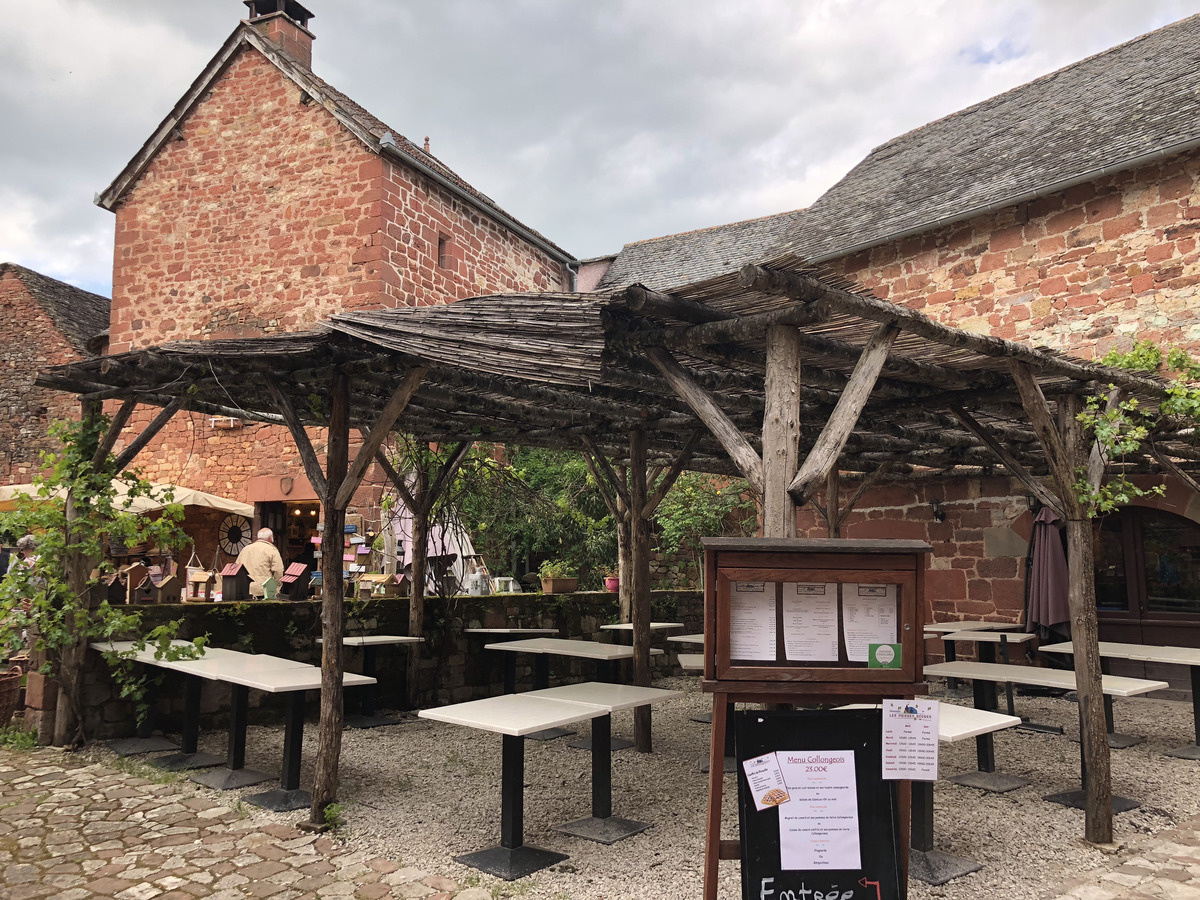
<point x="184" y="496"/>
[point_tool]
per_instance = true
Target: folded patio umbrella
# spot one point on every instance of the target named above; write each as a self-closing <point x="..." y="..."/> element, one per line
<point x="1049" y="611"/>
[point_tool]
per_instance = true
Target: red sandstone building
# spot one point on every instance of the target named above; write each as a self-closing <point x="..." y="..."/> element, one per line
<point x="266" y="201"/>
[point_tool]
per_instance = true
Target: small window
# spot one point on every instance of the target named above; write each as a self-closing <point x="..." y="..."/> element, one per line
<point x="445" y="252"/>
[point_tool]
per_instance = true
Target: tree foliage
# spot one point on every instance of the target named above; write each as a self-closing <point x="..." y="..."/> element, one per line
<point x="699" y="506"/>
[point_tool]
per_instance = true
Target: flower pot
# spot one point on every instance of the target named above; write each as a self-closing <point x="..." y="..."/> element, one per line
<point x="612" y="583"/>
<point x="559" y="585"/>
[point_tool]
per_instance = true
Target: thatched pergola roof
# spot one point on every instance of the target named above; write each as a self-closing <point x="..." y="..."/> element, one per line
<point x="553" y="369"/>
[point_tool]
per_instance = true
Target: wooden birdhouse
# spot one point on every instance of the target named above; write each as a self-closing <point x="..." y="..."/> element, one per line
<point x="111" y="587"/>
<point x="235" y="583"/>
<point x="200" y="585"/>
<point x="377" y="586"/>
<point x="166" y="588"/>
<point x="137" y="577"/>
<point x="295" y="581"/>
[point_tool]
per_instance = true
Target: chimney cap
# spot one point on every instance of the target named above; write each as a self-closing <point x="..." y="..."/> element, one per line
<point x="290" y="8"/>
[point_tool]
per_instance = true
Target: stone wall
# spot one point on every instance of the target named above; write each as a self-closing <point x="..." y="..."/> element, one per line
<point x="454" y="667"/>
<point x="31" y="342"/>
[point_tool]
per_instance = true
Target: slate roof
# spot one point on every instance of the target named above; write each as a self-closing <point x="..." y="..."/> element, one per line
<point x="372" y="131"/>
<point x="695" y="255"/>
<point x="80" y="315"/>
<point x="1104" y="113"/>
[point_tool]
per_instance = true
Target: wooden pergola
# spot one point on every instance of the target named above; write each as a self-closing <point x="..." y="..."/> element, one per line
<point x="778" y="373"/>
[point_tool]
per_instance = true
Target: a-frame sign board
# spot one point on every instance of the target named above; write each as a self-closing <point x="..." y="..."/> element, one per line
<point x="802" y="623"/>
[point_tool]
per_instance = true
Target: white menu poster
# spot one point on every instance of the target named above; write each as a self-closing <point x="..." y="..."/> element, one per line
<point x="765" y="781"/>
<point x="910" y="740"/>
<point x="818" y="827"/>
<point x="810" y="621"/>
<point x="752" y="620"/>
<point x="868" y="617"/>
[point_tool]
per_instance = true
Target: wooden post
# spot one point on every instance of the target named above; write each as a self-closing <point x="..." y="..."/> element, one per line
<point x="329" y="739"/>
<point x="781" y="431"/>
<point x="418" y="574"/>
<point x="833" y="500"/>
<point x="640" y="582"/>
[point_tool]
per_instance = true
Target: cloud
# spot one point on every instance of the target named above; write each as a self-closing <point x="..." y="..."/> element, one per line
<point x="594" y="123"/>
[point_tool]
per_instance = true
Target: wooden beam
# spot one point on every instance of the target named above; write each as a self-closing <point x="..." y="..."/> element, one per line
<point x="673" y="473"/>
<point x="743" y="328"/>
<point x="780" y="431"/>
<point x="397" y="481"/>
<point x="1171" y="468"/>
<point x="156" y="425"/>
<point x="379" y="431"/>
<point x="610" y="500"/>
<point x="863" y="486"/>
<point x="308" y="456"/>
<point x="774" y="281"/>
<point x="1048" y="498"/>
<point x="831" y="514"/>
<point x="119" y="421"/>
<point x="706" y="409"/>
<point x="442" y="480"/>
<point x="614" y="479"/>
<point x="1038" y="410"/>
<point x="1096" y="459"/>
<point x="828" y="446"/>
<point x="640" y="587"/>
<point x="641" y="299"/>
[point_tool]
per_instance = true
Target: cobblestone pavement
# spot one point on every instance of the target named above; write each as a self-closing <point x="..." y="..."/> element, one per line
<point x="1167" y="868"/>
<point x="74" y="830"/>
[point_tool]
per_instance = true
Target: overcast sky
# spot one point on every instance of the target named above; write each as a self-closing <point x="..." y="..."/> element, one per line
<point x="596" y="122"/>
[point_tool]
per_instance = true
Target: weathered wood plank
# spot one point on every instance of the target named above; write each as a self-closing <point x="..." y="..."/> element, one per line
<point x="374" y="439"/>
<point x="1039" y="490"/>
<point x="127" y="455"/>
<point x="781" y="430"/>
<point x="119" y="421"/>
<point x="308" y="456"/>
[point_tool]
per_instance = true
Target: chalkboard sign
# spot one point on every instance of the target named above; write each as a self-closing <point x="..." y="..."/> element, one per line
<point x="840" y="836"/>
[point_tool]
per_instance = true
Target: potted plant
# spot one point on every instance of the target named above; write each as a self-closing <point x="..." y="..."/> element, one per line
<point x="558" y="577"/>
<point x="612" y="580"/>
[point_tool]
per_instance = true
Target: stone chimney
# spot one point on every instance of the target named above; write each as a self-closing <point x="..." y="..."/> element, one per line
<point x="285" y="23"/>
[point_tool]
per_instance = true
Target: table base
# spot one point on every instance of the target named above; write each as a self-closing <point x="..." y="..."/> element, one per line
<point x="615" y="743"/>
<point x="1026" y="725"/>
<point x="988" y="781"/>
<point x="136" y="745"/>
<point x="180" y="762"/>
<point x="280" y="800"/>
<point x="511" y="864"/>
<point x="1188" y="751"/>
<point x="729" y="767"/>
<point x="549" y="734"/>
<point x="603" y="831"/>
<point x="1076" y="799"/>
<point x="703" y="718"/>
<point x="935" y="867"/>
<point x="1120" y="741"/>
<point x="229" y="779"/>
<point x="370" y="721"/>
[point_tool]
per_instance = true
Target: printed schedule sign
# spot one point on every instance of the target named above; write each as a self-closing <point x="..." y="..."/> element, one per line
<point x="910" y="740"/>
<point x="836" y="834"/>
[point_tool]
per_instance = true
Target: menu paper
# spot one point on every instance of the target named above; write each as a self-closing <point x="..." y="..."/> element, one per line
<point x="818" y="827"/>
<point x="910" y="740"/>
<point x="868" y="617"/>
<point x="766" y="781"/>
<point x="810" y="622"/>
<point x="752" y="620"/>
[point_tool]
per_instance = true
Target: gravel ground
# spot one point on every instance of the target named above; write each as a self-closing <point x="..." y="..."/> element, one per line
<point x="423" y="792"/>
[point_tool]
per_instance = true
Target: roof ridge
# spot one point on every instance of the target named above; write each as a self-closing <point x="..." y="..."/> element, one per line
<point x="694" y="231"/>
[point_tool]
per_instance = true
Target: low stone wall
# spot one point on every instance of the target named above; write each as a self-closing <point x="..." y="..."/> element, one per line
<point x="452" y="665"/>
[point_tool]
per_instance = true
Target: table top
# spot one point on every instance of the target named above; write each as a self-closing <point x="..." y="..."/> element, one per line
<point x="372" y="640"/>
<point x="513" y="714"/>
<point x="958" y="723"/>
<point x="612" y="697"/>
<point x="1114" y="685"/>
<point x="510" y="630"/>
<point x="147" y="655"/>
<point x="654" y="626"/>
<point x="990" y="637"/>
<point x="221" y="668"/>
<point x="687" y="638"/>
<point x="566" y="647"/>
<point x="1184" y="656"/>
<point x="282" y="681"/>
<point x="691" y="660"/>
<point x="968" y="625"/>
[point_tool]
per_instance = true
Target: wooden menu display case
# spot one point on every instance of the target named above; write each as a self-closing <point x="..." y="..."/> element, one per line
<point x="806" y="623"/>
<point x="798" y="617"/>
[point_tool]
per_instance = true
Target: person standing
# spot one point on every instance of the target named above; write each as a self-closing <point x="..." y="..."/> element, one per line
<point x="261" y="561"/>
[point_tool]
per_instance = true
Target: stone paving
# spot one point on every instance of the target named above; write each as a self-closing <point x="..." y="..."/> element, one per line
<point x="71" y="829"/>
<point x="1168" y="868"/>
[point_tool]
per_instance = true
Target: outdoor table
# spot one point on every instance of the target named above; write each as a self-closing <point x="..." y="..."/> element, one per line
<point x="293" y="681"/>
<point x="602" y="825"/>
<point x="514" y="716"/>
<point x="510" y="662"/>
<point x="654" y="626"/>
<point x="1183" y="656"/>
<point x="955" y="723"/>
<point x="986" y="652"/>
<point x="687" y="638"/>
<point x="366" y="717"/>
<point x="605" y="655"/>
<point x="186" y="755"/>
<point x="978" y="673"/>
<point x="936" y="628"/>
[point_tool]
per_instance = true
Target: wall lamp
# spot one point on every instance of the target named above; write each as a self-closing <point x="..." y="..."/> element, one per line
<point x="939" y="514"/>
